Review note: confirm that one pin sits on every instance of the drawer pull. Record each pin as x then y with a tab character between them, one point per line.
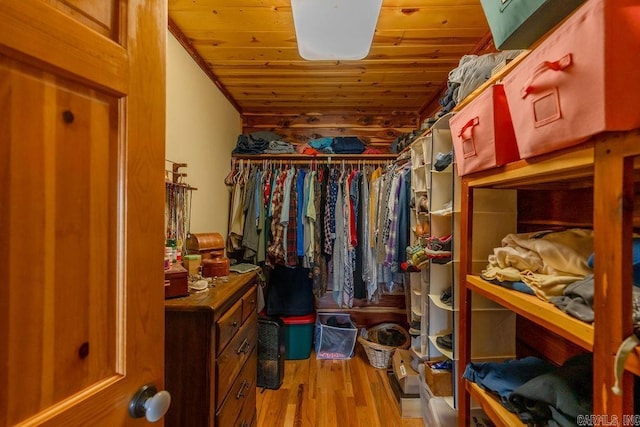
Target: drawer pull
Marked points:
243	347
235	323
243	386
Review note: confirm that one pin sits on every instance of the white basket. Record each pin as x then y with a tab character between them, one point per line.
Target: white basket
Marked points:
334	342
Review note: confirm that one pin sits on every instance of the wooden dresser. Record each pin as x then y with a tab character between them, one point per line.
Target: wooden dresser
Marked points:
210	355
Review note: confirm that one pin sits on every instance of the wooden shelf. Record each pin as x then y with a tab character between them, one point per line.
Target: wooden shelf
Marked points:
492	406
554	223
571	164
536	310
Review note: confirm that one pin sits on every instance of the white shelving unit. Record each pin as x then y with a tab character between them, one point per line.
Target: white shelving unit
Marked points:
495	215
420	163
441	278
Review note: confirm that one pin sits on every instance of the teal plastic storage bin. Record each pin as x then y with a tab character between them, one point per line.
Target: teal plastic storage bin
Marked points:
517	24
298	336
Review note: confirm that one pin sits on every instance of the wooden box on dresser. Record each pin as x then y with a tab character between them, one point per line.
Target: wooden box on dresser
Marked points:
210	355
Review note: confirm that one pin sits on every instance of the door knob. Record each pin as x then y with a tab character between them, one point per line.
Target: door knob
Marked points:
150	403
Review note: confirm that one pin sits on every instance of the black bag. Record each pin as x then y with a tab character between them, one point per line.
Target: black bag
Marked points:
290	292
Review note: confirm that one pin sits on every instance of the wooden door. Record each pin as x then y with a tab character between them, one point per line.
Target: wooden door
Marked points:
82	105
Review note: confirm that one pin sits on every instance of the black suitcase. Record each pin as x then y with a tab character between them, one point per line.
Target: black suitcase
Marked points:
271	352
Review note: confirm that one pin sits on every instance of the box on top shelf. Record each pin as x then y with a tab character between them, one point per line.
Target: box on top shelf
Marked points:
482	132
517	24
580	81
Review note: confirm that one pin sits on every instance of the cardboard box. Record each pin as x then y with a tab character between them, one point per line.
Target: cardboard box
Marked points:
440	381
408	404
407	378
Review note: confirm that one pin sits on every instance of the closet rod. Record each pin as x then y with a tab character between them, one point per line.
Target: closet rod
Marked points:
327	161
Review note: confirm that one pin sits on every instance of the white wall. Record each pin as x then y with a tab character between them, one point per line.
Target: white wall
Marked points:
202	128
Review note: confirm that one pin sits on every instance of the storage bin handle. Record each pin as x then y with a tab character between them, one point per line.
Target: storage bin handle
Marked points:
473	122
558	65
468	146
504	4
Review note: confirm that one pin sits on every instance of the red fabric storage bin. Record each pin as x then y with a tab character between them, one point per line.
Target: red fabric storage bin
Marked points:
482	133
582	80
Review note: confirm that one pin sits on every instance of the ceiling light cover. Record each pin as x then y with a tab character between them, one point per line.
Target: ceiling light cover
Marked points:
335	29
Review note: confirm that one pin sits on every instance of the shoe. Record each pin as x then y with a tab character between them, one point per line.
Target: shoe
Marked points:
439	244
423	204
409	268
414	249
415	328
445	296
443	160
446	210
442	259
445	341
419	258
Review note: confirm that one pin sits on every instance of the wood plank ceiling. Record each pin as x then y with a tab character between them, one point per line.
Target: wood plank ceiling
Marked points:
248	48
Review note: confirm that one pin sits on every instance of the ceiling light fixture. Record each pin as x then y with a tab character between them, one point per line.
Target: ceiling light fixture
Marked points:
335	29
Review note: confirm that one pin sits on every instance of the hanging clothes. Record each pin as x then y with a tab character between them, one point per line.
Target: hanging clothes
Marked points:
344	223
236	219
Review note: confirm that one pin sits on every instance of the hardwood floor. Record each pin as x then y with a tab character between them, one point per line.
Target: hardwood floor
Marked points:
329	393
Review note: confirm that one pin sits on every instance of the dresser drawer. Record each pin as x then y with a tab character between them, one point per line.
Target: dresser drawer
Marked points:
249	302
231	361
242	393
247	417
228	325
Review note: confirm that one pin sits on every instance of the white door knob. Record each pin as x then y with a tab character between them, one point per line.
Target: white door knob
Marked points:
150	403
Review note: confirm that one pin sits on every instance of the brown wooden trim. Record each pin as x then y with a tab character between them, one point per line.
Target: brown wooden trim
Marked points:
464	331
188	46
485	44
348	120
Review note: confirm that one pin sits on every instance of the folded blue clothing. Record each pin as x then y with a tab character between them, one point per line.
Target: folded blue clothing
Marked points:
326	150
347	145
557	397
516	286
502	378
255	142
319	143
247	145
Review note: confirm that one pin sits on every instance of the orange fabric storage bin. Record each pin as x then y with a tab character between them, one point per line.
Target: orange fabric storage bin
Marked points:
581	80
482	133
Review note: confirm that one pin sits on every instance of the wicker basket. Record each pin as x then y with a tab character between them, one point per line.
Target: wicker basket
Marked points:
379	355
